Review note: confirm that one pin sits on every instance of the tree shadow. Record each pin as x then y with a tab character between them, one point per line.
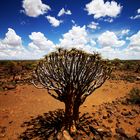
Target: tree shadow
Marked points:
48	125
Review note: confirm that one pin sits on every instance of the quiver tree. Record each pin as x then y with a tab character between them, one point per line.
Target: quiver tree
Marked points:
70	76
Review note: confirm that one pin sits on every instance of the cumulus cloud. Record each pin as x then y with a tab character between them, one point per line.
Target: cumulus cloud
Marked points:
93	25
12	39
135	42
11	46
109	39
136	16
34	8
53	21
138	11
63	11
75	37
99	8
40	42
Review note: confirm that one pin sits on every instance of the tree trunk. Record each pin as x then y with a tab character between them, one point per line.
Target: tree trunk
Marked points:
68	115
71	116
76	112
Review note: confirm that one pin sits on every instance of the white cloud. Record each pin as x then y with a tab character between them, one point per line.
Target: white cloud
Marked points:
93	25
75	37
40	42
125	32
109	39
110	20
73	22
11	46
53	21
34	8
135	42
99	8
136	16
63	11
138	11
12	39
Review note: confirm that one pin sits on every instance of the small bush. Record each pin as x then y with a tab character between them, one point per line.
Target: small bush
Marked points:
134	96
128	78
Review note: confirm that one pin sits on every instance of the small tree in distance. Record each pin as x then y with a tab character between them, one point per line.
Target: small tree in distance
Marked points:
70	76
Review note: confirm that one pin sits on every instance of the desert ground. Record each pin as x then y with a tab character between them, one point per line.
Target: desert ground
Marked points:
24	110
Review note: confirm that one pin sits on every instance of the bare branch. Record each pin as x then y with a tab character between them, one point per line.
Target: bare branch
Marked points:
70	74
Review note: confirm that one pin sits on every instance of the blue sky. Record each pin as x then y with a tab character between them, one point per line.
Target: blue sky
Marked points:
30	29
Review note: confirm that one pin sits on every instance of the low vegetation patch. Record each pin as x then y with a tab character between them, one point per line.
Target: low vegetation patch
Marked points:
134	95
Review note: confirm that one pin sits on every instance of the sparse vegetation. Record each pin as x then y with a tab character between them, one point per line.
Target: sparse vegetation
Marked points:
129	78
134	96
106	119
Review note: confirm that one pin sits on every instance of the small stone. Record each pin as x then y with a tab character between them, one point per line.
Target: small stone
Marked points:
136	111
137	136
10	122
105	133
120	131
126	113
104	117
110	121
130	123
138	129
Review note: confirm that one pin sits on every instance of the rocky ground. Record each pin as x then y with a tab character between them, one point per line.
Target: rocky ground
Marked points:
106	114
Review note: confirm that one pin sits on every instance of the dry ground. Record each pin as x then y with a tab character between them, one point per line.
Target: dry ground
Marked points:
26	102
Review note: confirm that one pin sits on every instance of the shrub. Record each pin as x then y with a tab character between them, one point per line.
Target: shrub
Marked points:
134	95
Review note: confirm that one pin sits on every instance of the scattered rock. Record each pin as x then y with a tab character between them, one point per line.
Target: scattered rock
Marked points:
138	78
110	121
66	136
105	117
2	131
137	136
126	113
105	133
9	86
130	123
122	133
10	122
138	129
136	111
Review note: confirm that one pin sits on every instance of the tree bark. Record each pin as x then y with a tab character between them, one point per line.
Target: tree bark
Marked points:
68	115
71	116
76	112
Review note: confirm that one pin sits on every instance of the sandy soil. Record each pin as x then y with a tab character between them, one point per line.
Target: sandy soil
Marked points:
26	102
